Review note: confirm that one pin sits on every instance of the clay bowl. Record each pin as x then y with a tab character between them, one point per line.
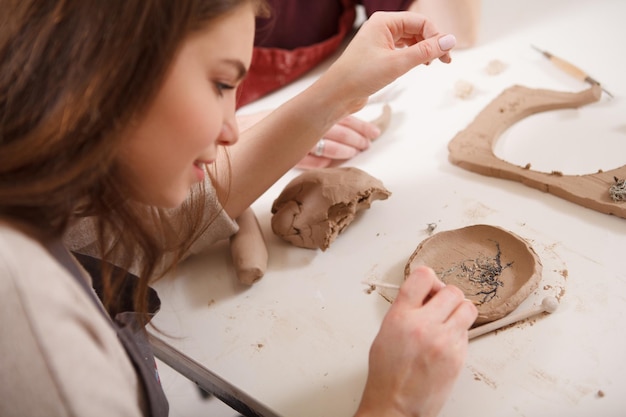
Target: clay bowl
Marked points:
495	268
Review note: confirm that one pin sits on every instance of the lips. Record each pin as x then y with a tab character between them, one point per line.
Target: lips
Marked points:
200	168
201	163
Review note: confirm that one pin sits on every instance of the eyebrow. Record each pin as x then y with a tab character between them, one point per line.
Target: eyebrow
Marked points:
239	66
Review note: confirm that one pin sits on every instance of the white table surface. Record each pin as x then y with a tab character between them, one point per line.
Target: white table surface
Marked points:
298	340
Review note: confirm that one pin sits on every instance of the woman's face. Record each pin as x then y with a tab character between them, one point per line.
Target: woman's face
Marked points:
194	112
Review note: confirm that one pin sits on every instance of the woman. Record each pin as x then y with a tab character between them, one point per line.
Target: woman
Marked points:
112	111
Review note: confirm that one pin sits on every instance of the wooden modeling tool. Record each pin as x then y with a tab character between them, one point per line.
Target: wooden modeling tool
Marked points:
373	285
377	284
548	305
571	69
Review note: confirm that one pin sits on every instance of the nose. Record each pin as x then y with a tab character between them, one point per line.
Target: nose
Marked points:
230	132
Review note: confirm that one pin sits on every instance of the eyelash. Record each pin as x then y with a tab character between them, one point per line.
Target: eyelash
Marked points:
221	87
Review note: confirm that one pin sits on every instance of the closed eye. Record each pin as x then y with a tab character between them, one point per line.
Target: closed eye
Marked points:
221	87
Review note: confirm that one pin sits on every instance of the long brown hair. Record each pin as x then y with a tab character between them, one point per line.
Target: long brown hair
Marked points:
73	75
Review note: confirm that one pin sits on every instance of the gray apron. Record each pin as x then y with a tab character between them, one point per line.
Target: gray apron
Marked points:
129	331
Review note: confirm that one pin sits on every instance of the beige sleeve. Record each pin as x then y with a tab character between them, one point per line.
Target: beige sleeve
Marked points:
81	236
221	226
59	356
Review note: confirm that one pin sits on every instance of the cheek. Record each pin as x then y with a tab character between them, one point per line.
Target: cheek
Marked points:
196	124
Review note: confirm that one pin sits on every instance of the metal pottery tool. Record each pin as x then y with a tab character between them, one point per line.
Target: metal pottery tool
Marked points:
571	69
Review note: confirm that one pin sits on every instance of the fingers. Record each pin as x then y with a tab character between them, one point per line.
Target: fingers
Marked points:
446	43
334	150
445	302
463	316
442	303
312	162
349	137
331	151
419	286
437	47
363	131
321	157
380	42
343	141
424	43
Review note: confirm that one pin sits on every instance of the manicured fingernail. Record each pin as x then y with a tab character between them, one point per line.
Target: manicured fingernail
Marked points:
447	42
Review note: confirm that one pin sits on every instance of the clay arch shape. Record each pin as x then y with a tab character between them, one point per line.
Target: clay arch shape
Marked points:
472	148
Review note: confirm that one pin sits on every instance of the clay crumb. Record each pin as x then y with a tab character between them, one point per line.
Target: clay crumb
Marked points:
382	121
430	228
600	393
479	376
527	166
495	67
557	173
463	89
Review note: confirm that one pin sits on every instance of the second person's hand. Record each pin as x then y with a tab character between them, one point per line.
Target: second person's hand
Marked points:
341	142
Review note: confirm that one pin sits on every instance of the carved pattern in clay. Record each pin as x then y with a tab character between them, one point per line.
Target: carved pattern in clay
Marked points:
472	148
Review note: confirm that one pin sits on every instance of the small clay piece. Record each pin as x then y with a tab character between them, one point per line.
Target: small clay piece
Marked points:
472	148
382	121
315	207
463	89
495	268
248	249
495	67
